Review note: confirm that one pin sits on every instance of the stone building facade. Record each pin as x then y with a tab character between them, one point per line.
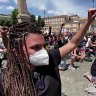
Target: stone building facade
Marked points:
72	23
54	22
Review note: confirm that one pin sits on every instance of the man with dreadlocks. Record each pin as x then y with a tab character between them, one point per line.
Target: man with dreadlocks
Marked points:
31	70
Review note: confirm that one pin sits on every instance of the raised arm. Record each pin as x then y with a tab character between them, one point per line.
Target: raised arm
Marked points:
59	33
3	32
79	35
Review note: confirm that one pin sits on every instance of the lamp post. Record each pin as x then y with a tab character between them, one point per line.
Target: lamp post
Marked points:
44	11
93	3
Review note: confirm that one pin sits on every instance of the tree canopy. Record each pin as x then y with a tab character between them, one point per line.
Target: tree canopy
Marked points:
38	22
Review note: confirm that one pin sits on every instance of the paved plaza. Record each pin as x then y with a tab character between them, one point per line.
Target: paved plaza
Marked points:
73	82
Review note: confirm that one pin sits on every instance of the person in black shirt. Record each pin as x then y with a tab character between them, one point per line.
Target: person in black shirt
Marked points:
62	40
31	70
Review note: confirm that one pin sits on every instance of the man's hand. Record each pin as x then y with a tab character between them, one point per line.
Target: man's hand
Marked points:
3	29
91	15
62	24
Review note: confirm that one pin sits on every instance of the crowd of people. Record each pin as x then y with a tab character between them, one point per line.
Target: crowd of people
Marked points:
83	51
34	59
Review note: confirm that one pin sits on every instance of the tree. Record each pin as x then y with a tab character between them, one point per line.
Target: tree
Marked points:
8	23
5	22
2	22
40	22
32	18
14	16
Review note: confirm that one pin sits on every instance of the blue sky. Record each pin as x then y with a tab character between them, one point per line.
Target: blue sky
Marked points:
51	7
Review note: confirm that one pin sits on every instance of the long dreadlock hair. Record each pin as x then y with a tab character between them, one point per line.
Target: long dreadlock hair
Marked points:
17	79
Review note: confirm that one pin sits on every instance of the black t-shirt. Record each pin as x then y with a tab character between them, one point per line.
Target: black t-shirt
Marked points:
49	75
60	43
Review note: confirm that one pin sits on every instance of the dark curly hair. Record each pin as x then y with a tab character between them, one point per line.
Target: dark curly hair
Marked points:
17	79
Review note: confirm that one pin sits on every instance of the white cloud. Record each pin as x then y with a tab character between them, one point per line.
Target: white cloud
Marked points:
6	7
4	1
57	6
54	12
41	4
1	7
9	7
50	11
64	7
15	1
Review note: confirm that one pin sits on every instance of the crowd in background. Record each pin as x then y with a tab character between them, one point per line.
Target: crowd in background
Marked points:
83	51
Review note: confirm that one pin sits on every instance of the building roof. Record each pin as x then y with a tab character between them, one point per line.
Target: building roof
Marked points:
60	16
74	15
72	22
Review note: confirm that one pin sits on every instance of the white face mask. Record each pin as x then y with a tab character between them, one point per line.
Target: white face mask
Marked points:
39	58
